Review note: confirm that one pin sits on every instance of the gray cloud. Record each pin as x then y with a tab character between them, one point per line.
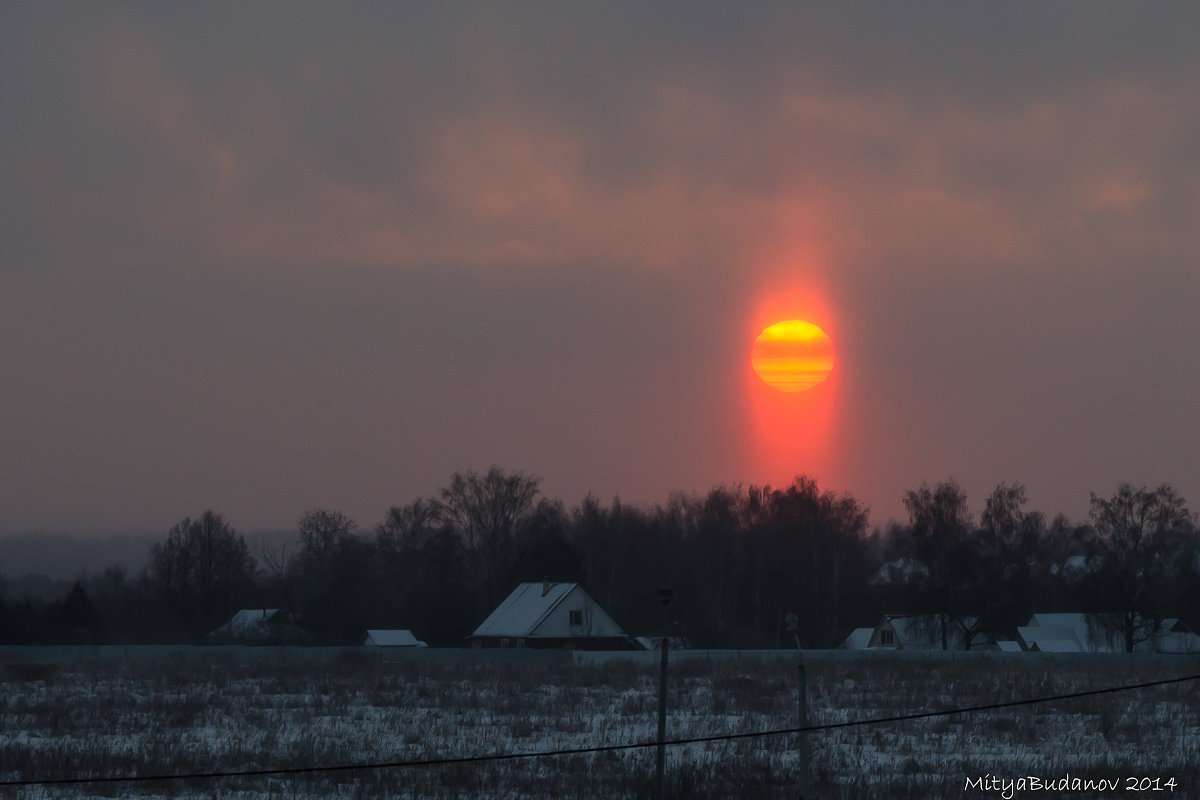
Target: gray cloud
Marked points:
271	258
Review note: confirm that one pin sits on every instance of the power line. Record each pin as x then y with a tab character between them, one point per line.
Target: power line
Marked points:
451	760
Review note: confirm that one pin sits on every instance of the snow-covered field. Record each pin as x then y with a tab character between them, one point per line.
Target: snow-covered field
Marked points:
210	712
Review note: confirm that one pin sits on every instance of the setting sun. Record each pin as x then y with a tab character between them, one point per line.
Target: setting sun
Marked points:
792	356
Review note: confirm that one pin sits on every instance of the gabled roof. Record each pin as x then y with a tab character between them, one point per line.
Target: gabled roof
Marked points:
392	638
1177	642
1073	621
1057	633
924	632
531	604
1068	633
524	609
1087	633
858	639
249	623
1049	639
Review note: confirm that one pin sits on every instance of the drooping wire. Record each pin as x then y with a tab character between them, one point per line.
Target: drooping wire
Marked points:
571	751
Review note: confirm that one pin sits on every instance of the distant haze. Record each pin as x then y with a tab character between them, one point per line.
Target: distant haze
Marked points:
262	259
66	556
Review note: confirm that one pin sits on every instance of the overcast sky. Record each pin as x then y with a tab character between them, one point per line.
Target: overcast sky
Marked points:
267	258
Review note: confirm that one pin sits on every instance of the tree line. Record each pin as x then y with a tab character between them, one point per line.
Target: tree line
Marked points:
748	564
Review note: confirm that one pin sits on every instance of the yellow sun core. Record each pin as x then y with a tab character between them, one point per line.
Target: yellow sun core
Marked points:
792	356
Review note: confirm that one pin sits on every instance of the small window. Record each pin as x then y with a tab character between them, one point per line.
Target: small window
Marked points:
504	644
577	617
887	637
520	642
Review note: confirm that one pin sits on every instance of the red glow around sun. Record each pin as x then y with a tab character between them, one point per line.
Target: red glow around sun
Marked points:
792	385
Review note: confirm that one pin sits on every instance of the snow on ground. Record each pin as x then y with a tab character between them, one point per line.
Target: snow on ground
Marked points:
211	712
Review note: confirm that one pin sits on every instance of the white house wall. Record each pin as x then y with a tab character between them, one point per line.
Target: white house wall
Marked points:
558	621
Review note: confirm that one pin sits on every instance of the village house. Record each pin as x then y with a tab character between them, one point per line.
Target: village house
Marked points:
1092	633
550	614
858	639
378	637
1064	633
258	626
919	632
1044	633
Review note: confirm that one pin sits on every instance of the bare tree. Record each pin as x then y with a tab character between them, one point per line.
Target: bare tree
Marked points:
322	533
408	527
940	528
1007	548
334	570
202	568
488	512
277	564
1143	541
418	575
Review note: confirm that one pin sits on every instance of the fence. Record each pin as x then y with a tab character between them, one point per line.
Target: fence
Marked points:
62	654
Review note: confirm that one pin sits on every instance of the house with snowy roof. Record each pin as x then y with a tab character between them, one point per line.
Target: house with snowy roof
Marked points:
1173	636
551	615
1093	633
918	632
378	637
1064	633
858	639
258	626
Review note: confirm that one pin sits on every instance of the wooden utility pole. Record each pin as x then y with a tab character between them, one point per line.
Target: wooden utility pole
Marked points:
804	755
792	623
664	594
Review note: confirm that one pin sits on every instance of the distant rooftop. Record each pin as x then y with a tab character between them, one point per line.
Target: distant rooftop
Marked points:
524	609
392	638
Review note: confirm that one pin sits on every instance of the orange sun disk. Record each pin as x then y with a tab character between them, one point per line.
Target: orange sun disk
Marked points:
792	356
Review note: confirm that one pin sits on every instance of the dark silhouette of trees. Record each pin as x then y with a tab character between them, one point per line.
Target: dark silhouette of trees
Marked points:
74	620
488	513
279	570
742	561
322	533
1060	563
1144	540
803	551
543	549
419	575
128	608
616	567
940	538
716	526
1006	557
202	572
333	568
19	622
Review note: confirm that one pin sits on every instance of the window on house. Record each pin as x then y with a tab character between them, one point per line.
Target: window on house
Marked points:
577	617
504	643
887	637
520	642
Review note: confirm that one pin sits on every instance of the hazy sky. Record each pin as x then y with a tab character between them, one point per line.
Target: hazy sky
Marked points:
267	258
